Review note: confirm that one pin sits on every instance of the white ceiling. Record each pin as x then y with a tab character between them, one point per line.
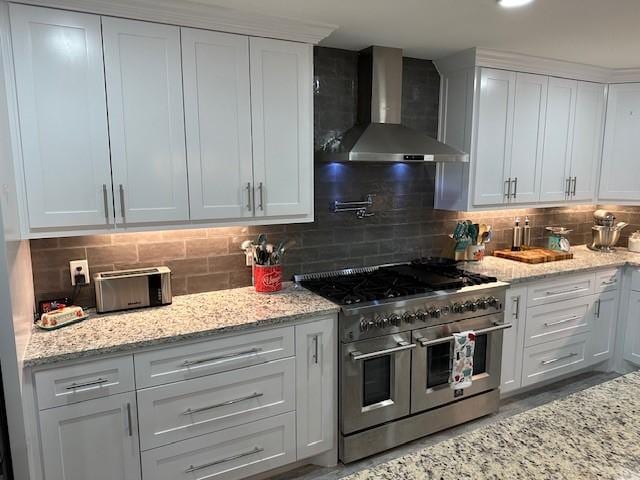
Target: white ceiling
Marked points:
597	32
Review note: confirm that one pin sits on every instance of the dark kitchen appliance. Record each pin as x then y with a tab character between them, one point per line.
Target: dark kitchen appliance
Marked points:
395	325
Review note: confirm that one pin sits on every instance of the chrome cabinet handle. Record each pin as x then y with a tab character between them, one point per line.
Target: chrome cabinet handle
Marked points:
93	383
253	352
122	207
515	187
554	360
228	459
260	190
516	311
315	349
249	206
573	190
496	327
356	355
560	322
598	302
560	292
105	198
567	191
129	424
191	411
610	282
508	188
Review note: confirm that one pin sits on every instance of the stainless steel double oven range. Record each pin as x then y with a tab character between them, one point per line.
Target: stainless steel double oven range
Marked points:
396	325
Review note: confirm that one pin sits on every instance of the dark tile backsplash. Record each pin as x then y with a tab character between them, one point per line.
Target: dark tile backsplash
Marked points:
405	225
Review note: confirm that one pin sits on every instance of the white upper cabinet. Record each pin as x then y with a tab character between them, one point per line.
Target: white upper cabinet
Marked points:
587	140
63	117
282	127
494	133
146	121
561	99
218	124
528	136
618	177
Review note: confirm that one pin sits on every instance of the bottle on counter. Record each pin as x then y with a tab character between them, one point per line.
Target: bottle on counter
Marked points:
526	233
516	243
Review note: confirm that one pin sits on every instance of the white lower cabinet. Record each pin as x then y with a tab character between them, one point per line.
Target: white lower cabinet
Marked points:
316	353
261	400
513	339
96	439
632	337
232	454
560	326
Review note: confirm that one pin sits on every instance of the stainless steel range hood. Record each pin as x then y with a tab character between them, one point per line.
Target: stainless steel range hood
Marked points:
379	136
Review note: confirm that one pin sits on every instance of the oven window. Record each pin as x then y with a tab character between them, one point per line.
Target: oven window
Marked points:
439	361
376	380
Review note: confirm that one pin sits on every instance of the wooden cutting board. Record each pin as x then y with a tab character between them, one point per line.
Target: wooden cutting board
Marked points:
534	255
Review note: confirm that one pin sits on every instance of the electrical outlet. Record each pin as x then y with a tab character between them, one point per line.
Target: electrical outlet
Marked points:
79	267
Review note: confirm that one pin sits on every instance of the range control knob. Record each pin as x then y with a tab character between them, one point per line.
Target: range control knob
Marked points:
493	302
471	306
393	320
435	313
457	308
421	315
409	317
364	325
483	304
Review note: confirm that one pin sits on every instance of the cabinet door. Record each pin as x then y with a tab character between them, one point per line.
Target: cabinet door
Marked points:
282	126
513	339
621	144
558	133
528	136
588	132
604	325
218	124
96	439
146	120
315	385
493	136
63	117
632	337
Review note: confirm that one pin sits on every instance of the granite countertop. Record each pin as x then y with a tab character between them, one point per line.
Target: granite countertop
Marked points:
592	434
583	260
189	317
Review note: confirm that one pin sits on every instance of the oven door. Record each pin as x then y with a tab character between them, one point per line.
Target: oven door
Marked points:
374	381
431	361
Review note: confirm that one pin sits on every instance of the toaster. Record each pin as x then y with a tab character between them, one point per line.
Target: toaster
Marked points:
128	289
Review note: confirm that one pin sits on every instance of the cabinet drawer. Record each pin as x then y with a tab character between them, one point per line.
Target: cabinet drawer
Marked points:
607	280
231	454
76	383
549	360
214	356
559	289
182	410
558	320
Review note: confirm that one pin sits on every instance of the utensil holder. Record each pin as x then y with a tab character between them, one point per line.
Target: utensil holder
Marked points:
267	278
475	253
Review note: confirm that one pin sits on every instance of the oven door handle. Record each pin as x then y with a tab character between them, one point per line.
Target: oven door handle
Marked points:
356	355
496	327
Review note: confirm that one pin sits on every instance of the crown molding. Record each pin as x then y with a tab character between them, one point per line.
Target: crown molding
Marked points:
625	75
188	13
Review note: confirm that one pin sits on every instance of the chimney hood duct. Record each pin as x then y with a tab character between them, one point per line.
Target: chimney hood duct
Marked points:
378	135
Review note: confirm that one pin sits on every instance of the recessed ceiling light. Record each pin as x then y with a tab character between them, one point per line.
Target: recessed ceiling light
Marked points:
513	3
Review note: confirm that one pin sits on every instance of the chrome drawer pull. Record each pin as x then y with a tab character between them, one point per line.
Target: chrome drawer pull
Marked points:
123	210
129	424
252	352
94	383
609	282
515	187
190	411
429	343
559	322
573	190
363	356
560	292
228	459
105	198
554	360
508	188
249	206
260	189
